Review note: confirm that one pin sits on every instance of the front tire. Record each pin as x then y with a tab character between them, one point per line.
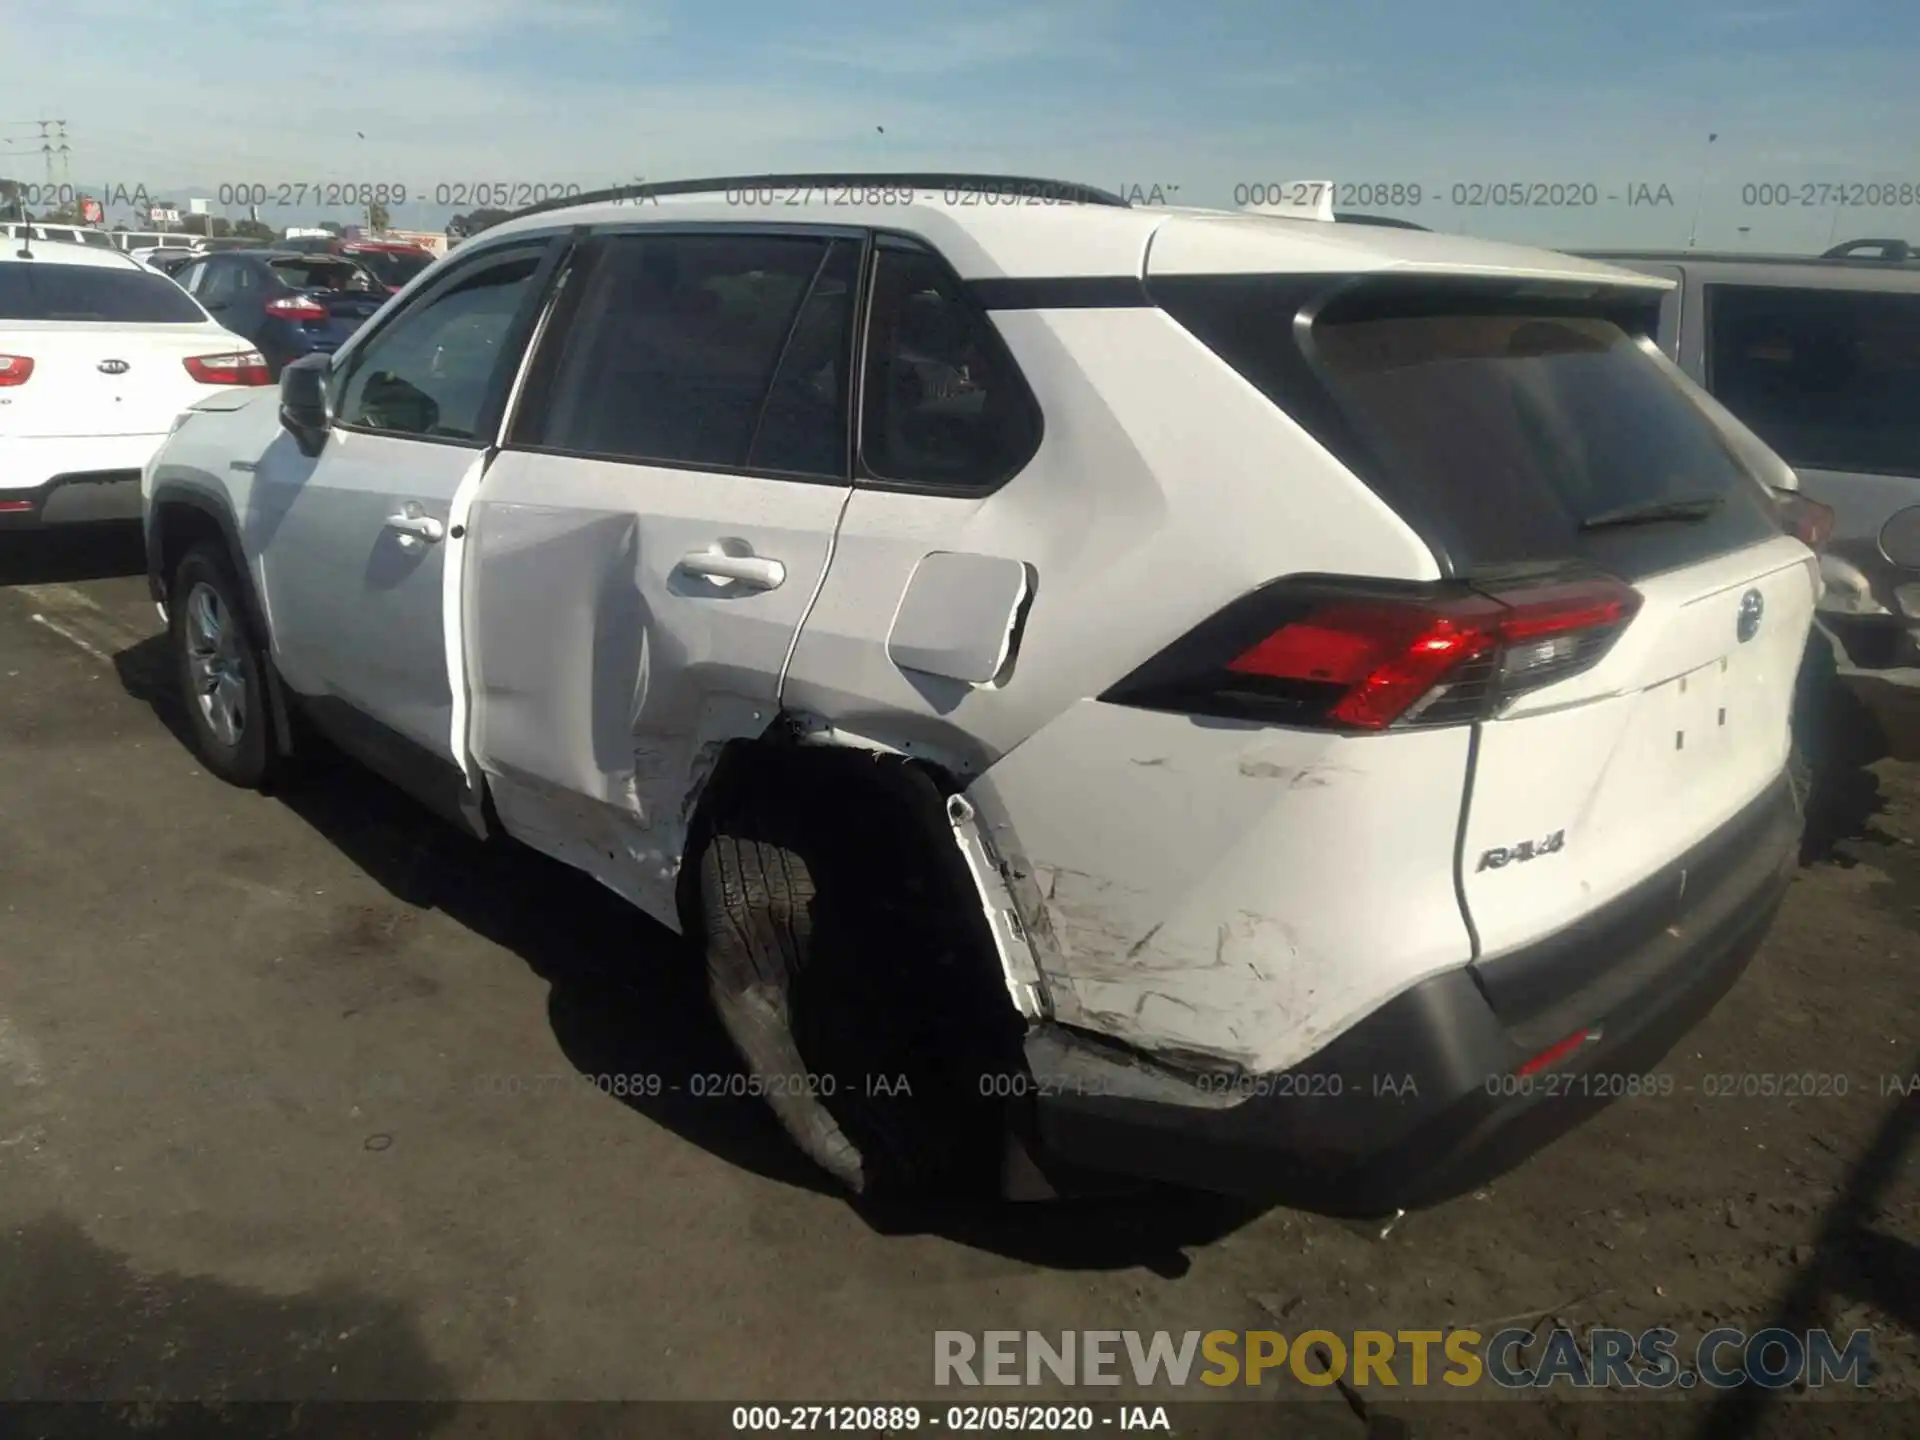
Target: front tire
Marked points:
221	673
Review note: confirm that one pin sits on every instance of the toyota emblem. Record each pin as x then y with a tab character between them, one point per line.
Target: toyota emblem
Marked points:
114	367
1751	609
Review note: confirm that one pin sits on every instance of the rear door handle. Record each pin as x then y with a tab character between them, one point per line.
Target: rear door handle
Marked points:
417	527
749	570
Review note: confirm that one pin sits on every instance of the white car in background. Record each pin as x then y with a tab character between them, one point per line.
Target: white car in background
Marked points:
70	234
1289	707
98	355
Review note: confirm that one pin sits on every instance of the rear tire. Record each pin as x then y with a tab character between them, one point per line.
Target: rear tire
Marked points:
221	673
860	1033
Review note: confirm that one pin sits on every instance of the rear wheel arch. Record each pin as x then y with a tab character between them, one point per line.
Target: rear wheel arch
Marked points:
796	840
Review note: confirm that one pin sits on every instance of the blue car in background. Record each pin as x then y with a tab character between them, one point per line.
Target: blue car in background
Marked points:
285	303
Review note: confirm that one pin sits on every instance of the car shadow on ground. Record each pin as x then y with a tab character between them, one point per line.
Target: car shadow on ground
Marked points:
59	556
626	998
90	1345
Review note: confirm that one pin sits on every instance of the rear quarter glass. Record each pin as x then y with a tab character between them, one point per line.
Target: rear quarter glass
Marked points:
1494	418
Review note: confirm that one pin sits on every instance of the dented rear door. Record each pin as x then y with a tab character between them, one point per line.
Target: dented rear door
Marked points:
646	544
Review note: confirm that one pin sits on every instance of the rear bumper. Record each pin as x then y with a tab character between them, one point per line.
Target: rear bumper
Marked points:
1420	1101
73	479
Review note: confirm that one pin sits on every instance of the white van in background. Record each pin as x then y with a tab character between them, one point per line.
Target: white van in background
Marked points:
155	240
68	234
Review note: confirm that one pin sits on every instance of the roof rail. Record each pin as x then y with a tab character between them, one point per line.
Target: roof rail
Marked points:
1392	222
1895	250
1067	191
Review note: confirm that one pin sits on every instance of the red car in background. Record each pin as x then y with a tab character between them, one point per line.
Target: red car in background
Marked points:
392	262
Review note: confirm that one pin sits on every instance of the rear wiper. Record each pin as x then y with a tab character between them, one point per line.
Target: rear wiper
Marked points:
1649	512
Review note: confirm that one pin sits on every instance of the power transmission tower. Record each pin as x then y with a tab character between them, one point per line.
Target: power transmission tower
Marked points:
55	155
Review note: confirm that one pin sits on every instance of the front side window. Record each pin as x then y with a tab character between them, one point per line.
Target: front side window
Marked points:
431	372
942	404
1829	378
722	350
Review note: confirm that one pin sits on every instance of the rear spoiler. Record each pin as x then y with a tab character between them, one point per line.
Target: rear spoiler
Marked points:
1298	200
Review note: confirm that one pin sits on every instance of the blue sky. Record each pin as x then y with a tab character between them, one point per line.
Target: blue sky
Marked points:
1202	97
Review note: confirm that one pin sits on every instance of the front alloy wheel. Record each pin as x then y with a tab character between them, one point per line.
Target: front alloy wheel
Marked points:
220	671
216	665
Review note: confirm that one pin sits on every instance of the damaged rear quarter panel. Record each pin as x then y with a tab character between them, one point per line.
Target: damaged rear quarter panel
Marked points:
1228	893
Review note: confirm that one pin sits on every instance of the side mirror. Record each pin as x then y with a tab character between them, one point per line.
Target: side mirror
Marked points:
303	401
1900	539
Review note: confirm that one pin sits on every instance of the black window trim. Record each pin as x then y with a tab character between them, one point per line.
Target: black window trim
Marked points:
1708	289
540	370
864	476
551	246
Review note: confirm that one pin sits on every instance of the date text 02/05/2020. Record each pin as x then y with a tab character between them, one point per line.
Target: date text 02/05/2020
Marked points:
517	194
290	194
957	1419
1461	194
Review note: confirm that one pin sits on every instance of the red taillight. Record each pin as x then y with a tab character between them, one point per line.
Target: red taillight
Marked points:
1339	657
1554	1054
297	307
14	369
1808	521
241	367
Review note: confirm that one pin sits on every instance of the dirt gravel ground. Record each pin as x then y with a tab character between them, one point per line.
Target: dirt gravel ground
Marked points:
295	1104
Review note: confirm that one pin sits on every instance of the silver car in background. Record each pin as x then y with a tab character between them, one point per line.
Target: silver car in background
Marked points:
1821	357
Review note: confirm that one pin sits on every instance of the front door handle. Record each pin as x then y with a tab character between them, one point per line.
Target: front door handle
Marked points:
749	570
417	527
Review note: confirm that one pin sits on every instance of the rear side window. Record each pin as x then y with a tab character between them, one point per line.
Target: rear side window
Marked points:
943	405
1508	427
431	372
665	349
1829	378
35	290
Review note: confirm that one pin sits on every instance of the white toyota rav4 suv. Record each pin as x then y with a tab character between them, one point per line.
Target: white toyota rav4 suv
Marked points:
1294	708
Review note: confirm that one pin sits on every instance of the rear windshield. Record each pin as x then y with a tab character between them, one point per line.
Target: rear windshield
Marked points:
1510	428
34	290
321	274
394	267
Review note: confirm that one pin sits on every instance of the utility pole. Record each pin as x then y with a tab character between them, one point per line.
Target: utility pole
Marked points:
55	155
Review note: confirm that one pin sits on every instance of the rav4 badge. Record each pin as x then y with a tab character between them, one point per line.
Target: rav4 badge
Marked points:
1526	850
